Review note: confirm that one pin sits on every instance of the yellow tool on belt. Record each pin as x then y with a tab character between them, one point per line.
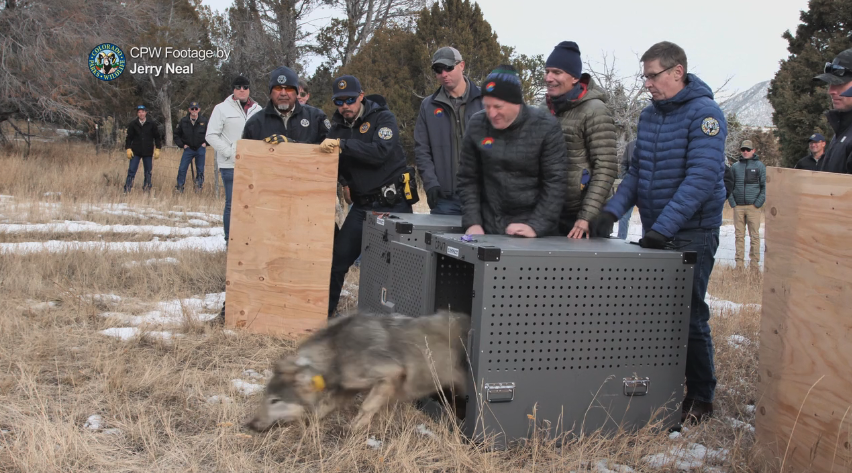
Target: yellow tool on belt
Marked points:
406	183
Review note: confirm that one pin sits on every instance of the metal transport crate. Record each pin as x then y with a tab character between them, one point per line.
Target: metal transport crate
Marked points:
567	335
396	262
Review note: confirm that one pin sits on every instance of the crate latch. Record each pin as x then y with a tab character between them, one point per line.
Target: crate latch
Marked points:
636	386
499	392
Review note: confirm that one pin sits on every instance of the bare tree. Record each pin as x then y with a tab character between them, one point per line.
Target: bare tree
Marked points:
626	96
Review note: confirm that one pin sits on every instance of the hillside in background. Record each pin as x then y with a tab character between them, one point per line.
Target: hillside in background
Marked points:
751	107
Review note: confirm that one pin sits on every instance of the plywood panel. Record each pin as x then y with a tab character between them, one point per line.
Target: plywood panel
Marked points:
806	324
281	237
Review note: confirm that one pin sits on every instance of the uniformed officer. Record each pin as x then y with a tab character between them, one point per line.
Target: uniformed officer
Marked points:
372	162
284	119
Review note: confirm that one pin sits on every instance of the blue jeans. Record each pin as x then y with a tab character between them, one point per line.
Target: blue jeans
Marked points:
228	181
700	370
185	160
147	165
451	206
347	245
624	224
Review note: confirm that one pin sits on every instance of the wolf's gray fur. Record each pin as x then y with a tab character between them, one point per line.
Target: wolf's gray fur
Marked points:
392	357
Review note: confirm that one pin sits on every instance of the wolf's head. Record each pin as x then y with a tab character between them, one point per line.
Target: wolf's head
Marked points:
294	390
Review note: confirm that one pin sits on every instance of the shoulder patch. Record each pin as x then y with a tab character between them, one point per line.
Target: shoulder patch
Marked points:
327	124
364	127
385	133
305	123
710	126
487	143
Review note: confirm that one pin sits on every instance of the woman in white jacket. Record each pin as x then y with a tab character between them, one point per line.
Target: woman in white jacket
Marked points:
224	128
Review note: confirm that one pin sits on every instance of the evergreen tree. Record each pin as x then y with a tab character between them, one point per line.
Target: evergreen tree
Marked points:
800	102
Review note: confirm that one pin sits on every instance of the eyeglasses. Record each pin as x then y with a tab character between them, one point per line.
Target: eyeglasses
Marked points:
279	88
653	76
241	87
440	68
194	108
348	101
303	94
836	70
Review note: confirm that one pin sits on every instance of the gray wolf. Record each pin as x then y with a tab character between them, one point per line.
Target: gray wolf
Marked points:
389	357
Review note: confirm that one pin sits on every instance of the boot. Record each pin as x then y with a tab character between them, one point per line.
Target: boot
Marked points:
695	412
179	189
128	185
146	186
199	183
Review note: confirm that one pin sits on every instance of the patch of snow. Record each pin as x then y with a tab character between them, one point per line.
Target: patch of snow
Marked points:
206	243
687	457
206	216
229	332
606	466
52	194
738	341
129	333
39	306
111	431
372	442
738	424
723	307
749	409
175	312
198	222
422	430
252	374
675	435
70	226
218	399
151	261
246	388
94	422
104	298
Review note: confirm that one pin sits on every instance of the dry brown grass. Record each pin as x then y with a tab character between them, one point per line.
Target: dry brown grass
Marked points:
57	371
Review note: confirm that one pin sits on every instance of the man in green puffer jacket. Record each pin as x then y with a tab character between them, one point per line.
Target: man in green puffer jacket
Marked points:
589	131
748	197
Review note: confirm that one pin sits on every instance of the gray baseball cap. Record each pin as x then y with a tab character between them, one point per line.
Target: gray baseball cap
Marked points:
838	71
448	56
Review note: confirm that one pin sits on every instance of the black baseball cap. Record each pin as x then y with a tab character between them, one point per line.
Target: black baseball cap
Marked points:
818	136
838	71
345	86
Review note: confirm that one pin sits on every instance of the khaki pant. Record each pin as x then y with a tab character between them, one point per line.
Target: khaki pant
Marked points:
747	215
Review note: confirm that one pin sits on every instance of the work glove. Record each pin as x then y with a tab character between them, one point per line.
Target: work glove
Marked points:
433	195
156	153
601	226
275	139
129	153
328	145
653	240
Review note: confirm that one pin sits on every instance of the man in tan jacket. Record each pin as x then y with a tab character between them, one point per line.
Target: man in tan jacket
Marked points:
579	105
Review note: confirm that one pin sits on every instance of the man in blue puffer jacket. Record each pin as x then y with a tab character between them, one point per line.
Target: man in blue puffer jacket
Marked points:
676	180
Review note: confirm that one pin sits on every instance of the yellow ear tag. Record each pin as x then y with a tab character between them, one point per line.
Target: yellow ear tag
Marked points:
319	382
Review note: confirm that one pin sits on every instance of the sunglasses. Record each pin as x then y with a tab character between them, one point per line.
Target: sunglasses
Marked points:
836	70
440	68
279	88
303	94
241	87
745	149
194	108
348	101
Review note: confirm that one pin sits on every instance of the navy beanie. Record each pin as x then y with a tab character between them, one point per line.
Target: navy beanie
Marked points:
504	84
566	56
283	76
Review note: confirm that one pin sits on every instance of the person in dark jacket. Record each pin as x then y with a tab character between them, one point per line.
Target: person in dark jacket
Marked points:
623	167
372	163
747	199
189	135
676	180
816	148
285	119
143	143
440	129
838	75
589	132
513	169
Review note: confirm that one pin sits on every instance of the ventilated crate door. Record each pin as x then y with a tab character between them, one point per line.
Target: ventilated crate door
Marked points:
453	284
568	331
375	269
410	280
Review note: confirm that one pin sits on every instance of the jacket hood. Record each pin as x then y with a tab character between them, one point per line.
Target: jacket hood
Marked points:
591	91
370	107
695	88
